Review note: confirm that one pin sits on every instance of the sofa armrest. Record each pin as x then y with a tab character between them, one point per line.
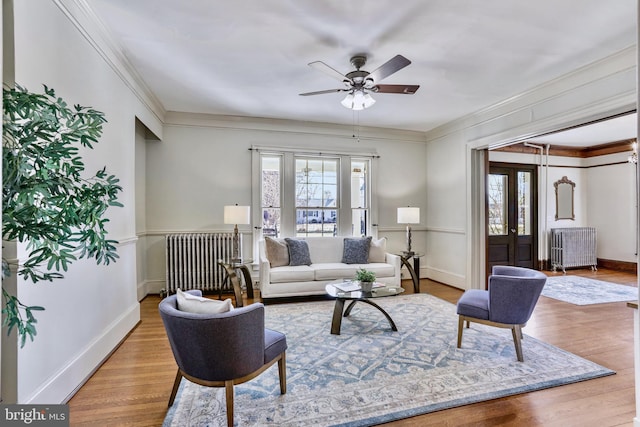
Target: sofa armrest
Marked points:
397	266
264	265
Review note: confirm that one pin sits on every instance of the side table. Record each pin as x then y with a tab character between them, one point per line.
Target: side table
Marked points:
414	270
231	269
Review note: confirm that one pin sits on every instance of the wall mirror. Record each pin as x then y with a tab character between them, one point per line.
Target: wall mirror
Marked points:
564	198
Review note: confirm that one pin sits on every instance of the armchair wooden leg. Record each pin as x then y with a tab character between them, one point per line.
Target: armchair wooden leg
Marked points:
282	373
460	328
516	331
228	386
176	384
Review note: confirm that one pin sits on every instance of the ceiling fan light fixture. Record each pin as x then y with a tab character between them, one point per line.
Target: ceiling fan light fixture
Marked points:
359	84
358	100
368	101
347	102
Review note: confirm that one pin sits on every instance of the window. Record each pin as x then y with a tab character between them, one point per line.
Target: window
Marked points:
359	197
314	195
270	198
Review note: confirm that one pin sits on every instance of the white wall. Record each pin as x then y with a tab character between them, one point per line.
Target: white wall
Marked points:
612	210
455	201
204	163
93	307
141	208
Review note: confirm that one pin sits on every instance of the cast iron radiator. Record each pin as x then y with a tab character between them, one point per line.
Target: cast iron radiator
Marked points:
573	247
192	260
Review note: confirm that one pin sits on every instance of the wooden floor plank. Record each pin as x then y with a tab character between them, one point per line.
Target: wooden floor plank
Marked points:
132	387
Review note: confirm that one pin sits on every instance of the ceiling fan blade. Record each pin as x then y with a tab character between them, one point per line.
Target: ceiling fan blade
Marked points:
321	66
403	89
396	63
321	92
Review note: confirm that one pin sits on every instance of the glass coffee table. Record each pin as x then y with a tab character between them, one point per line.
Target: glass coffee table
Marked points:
345	290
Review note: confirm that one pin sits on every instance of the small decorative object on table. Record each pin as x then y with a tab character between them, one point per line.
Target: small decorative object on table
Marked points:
366	279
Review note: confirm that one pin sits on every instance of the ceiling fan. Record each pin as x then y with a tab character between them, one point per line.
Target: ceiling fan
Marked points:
360	84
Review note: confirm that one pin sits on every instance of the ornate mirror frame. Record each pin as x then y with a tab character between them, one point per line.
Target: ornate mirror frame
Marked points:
564	198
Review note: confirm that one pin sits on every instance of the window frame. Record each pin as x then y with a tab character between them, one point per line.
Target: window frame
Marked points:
344	210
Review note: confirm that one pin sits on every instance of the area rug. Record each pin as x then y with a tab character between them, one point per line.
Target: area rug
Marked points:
370	375
584	291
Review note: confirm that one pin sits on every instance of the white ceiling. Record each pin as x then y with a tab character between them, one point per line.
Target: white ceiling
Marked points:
249	57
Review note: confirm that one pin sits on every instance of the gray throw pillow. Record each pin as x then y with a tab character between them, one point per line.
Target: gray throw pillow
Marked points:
298	252
356	250
277	251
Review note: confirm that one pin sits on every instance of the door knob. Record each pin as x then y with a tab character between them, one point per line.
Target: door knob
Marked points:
513	230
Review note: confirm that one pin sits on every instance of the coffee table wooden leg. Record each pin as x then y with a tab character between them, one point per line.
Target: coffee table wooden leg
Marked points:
391	322
349	307
337	317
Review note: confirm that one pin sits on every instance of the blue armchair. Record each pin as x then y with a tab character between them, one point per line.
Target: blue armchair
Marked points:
224	349
512	296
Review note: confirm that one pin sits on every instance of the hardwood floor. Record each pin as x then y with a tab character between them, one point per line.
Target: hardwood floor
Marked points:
132	387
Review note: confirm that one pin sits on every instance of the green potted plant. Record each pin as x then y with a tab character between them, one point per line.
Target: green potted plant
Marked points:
366	279
49	201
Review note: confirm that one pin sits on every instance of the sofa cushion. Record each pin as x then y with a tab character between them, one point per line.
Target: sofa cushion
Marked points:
277	251
380	269
299	273
377	250
334	271
356	250
298	252
325	249
200	305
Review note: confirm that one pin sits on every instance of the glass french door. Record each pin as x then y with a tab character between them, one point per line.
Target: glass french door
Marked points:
511	215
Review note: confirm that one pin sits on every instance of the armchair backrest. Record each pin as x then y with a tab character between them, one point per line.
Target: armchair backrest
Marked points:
215	347
513	293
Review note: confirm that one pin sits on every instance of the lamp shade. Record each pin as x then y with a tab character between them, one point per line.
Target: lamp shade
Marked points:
237	214
408	215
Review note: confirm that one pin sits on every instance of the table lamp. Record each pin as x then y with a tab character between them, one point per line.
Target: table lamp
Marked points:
408	216
237	215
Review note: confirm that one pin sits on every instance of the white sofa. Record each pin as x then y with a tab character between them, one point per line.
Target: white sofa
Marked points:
326	266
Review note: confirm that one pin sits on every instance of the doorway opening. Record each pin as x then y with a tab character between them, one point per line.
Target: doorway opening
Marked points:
512	215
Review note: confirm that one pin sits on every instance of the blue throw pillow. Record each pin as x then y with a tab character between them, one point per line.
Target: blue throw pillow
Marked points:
298	252
356	250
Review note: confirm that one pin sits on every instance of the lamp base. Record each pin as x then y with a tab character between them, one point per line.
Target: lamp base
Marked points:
408	251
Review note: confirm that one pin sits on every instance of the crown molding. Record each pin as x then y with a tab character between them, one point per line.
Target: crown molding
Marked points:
535	111
623	146
262	124
91	27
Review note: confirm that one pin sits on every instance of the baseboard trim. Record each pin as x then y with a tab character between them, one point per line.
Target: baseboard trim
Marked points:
446	277
65	383
618	265
610	264
155	286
